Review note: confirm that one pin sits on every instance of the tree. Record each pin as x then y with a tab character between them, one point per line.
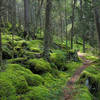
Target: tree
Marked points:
97	19
48	30
26	17
72	19
0	40
13	23
66	21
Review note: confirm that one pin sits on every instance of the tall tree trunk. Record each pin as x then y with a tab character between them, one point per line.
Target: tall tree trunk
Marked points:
48	30
97	20
9	11
72	19
0	50
81	20
66	21
14	14
26	18
13	23
0	41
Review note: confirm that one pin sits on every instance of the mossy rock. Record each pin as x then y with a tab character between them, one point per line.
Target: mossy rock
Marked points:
31	79
72	55
29	54
7	90
6	52
35	45
17	81
19	60
38	93
59	58
20	84
39	65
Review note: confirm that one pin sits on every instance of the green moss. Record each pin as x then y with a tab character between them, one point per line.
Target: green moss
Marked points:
92	58
55	85
34	79
29	54
38	93
7	91
17	60
72	66
40	65
17	81
35	45
58	57
83	94
31	79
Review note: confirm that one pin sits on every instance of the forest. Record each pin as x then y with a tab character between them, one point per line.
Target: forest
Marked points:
49	49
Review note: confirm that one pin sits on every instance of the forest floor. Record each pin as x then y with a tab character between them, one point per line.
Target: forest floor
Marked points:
70	87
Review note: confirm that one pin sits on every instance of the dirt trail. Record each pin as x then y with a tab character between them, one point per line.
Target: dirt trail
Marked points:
68	93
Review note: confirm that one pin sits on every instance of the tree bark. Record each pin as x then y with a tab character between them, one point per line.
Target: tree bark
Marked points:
48	30
72	19
97	20
0	41
26	18
66	21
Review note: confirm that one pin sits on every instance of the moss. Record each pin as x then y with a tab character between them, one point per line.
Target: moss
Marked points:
72	66
83	94
7	91
92	74
29	54
34	79
72	55
35	45
31	79
55	85
58	57
38	93
92	58
17	60
17	81
40	65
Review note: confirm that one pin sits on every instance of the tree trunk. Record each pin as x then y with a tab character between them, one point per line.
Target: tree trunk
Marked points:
13	24
0	50
66	21
48	30
72	19
97	20
26	18
0	42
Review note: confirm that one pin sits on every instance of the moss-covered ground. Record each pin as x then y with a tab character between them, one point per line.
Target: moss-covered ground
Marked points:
28	76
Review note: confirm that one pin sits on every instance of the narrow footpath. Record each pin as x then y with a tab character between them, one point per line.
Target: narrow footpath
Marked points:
68	92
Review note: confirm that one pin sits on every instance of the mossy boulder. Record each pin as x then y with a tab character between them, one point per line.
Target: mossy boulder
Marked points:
17	81
31	79
39	65
20	79
38	93
59	58
72	55
34	79
7	90
35	45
